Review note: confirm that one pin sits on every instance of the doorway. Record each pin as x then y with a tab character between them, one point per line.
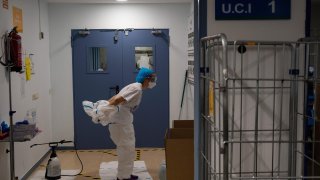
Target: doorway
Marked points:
106	60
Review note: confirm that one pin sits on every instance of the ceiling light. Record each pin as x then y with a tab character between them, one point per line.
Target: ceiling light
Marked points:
121	0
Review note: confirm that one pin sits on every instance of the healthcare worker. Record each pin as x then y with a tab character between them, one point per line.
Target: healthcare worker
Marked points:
121	118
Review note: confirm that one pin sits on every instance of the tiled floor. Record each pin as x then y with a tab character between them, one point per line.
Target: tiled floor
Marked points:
91	160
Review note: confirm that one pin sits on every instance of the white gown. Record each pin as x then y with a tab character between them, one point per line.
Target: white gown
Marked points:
122	131
120	120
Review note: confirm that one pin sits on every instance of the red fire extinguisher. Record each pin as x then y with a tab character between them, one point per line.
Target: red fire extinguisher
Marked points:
13	50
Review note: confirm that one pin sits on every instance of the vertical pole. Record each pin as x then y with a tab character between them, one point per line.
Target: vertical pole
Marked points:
316	50
316	157
201	132
225	107
205	110
197	119
274	104
240	128
293	113
11	112
315	115
281	107
12	166
183	91
306	115
233	107
220	114
215	119
256	128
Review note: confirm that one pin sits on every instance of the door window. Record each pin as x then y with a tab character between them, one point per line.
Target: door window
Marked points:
97	59
144	57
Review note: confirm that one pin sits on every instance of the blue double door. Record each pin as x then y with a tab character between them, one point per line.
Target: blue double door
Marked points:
106	60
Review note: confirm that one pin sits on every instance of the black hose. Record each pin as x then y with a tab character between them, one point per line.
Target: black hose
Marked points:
62	142
75	148
79	160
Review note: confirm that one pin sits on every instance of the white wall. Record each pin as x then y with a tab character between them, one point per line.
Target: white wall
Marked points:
188	101
287	30
22	91
64	17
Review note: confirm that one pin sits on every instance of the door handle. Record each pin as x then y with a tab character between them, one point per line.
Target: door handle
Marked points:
116	88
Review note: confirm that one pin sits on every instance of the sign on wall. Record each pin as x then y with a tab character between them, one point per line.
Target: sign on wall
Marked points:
252	9
17	18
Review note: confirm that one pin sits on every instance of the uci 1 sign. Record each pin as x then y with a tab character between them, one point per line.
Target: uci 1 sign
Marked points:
252	9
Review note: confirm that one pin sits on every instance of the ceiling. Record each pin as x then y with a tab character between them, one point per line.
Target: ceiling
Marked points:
133	1
114	1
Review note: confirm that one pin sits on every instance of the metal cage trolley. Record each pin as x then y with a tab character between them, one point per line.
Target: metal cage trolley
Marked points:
259	107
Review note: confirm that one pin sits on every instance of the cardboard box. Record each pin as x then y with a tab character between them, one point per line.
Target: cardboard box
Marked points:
183	123
179	151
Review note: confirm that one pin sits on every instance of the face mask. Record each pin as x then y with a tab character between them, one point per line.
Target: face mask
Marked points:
151	85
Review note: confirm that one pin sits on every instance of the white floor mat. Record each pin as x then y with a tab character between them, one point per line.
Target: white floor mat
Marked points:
108	170
39	175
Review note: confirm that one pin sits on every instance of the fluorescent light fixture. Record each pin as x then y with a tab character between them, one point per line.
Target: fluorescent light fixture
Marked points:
121	0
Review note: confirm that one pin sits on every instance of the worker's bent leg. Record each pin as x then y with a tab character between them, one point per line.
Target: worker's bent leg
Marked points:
126	155
123	136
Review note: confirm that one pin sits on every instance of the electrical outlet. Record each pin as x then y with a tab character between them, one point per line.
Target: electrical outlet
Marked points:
35	96
41	35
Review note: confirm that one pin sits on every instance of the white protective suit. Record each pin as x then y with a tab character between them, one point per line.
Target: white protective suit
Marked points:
120	120
100	111
122	131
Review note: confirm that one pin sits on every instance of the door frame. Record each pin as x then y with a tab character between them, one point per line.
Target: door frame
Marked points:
75	35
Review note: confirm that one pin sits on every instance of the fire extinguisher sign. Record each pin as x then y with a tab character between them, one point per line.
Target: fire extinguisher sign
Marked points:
17	18
252	9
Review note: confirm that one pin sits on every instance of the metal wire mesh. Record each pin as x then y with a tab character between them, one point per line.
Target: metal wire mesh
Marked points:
259	109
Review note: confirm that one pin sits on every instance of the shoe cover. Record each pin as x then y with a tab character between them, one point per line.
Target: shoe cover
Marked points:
134	177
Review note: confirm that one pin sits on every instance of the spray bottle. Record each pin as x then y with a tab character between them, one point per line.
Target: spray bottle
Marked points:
53	169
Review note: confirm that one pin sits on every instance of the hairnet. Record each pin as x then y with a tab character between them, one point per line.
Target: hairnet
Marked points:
143	74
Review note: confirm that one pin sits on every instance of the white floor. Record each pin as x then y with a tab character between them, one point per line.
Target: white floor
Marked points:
108	170
148	164
40	175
